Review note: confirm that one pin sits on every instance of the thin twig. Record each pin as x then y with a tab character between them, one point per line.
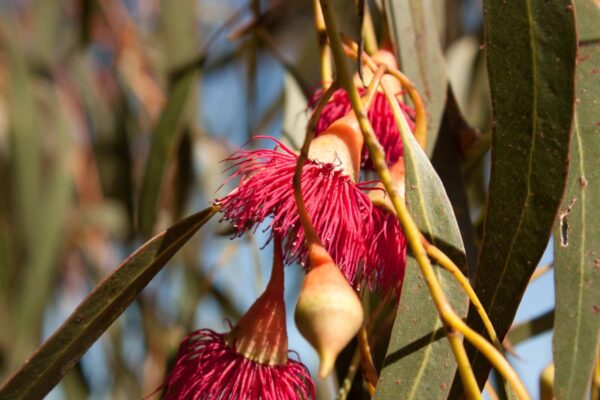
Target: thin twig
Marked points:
324	51
445	262
352	369
365	355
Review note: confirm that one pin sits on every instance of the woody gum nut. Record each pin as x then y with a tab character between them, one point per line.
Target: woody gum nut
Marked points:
328	313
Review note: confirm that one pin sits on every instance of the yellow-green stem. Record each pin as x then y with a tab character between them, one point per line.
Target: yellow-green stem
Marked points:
447	314
445	262
464	366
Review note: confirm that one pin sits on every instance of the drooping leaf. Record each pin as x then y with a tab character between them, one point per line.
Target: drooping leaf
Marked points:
38	375
419	363
162	149
577	241
531	49
413	28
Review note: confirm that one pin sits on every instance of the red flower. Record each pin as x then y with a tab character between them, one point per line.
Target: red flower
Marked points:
250	362
207	368
341	212
381	118
387	259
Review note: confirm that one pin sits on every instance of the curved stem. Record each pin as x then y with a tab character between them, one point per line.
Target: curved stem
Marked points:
464	366
447	314
309	229
324	52
367	359
352	369
445	262
421	116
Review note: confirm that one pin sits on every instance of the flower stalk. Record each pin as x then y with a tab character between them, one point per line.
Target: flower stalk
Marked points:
450	319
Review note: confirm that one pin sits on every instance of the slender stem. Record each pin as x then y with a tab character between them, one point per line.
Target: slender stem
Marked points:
595	391
309	229
367	359
352	369
540	271
447	314
464	366
445	262
421	116
324	52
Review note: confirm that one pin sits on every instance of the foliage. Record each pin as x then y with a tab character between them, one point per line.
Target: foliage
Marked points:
115	119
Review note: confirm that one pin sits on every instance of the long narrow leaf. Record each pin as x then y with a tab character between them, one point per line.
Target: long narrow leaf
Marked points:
413	28
419	363
531	48
577	242
98	311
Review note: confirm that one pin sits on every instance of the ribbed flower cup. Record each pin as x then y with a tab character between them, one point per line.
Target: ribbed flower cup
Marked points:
250	362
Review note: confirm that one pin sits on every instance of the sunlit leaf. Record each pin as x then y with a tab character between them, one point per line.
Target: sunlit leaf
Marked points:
98	311
577	241
413	28
419	363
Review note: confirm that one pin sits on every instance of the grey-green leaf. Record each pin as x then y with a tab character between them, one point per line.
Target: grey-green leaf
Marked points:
55	357
413	29
162	149
577	242
531	48
588	20
419	363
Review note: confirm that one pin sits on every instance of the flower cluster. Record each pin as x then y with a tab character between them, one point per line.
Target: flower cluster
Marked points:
352	238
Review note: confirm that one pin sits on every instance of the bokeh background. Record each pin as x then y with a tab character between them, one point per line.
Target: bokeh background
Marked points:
86	86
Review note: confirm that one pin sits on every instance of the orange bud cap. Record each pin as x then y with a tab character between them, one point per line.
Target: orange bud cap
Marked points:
340	144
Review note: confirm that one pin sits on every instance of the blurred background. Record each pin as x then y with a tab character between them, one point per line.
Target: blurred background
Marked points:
114	119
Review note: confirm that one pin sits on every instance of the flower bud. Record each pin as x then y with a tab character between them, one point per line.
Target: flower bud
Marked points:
341	144
329	312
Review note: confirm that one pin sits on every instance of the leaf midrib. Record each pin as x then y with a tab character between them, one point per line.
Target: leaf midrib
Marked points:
575	353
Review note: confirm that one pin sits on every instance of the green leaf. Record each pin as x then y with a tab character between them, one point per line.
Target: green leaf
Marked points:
419	363
38	375
162	149
531	48
588	20
577	241
39	268
413	28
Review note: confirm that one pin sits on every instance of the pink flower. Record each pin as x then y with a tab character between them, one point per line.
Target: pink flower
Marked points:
387	259
249	362
381	118
363	241
207	368
341	212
